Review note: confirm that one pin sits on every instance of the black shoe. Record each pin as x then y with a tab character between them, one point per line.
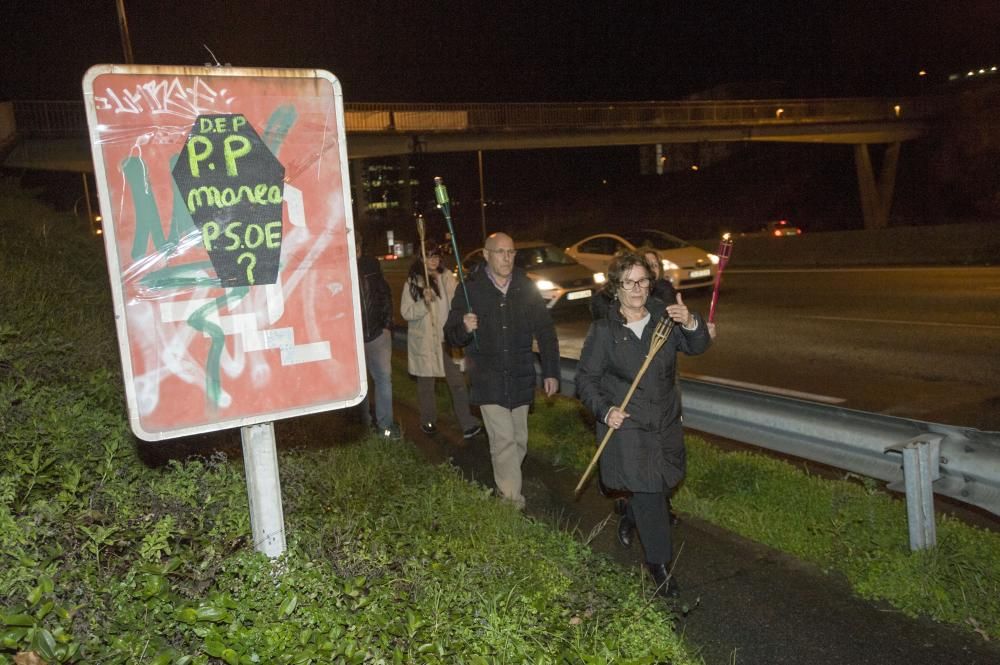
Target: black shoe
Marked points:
428	428
666	584
475	430
625	527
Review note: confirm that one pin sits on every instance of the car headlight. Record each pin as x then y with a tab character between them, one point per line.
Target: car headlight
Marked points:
545	285
714	258
600	278
669	265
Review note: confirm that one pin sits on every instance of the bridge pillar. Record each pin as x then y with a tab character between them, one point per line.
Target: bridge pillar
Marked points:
876	196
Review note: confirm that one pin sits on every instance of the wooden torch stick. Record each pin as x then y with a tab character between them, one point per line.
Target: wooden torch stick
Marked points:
660	336
423	255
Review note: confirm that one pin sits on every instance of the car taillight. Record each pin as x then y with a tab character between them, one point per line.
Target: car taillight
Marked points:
777	233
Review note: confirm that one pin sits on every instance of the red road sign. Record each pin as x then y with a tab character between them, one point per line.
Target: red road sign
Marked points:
229	241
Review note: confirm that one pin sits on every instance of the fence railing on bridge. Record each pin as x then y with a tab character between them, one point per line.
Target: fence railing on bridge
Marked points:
630	115
60	119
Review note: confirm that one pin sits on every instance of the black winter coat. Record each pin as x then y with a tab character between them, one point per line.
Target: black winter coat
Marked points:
375	296
501	366
646	454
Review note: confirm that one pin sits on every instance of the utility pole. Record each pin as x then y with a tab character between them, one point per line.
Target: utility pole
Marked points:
482	196
123	29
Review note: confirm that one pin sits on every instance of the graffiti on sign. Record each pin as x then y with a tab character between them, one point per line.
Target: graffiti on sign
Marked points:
228	247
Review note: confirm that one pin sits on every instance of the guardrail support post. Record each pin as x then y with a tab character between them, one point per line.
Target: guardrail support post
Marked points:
921	456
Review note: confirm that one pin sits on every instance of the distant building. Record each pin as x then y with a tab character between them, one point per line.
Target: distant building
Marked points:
383	199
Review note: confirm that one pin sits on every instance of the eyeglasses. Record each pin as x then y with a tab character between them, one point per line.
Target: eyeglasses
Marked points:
509	253
629	284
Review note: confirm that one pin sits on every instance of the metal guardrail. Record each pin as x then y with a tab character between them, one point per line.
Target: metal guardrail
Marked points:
67	118
847	439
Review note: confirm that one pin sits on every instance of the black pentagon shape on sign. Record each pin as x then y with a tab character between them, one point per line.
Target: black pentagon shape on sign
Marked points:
233	186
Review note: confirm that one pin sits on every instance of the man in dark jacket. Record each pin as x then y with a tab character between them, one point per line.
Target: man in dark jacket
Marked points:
508	312
376	324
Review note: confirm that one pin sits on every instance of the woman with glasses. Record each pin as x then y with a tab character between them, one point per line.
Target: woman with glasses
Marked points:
661	288
645	455
425	308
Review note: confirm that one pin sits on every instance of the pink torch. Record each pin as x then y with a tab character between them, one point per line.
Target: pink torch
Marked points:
725	251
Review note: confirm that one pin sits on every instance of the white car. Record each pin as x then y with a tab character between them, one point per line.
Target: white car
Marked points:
686	266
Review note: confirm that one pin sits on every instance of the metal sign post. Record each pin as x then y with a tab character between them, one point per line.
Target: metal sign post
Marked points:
260	458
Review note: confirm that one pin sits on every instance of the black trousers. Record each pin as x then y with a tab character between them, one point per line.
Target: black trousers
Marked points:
648	511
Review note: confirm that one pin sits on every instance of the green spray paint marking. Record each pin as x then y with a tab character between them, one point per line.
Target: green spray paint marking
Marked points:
180	277
147	215
278	126
199	321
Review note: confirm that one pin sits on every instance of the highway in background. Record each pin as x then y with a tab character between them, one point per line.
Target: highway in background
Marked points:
919	343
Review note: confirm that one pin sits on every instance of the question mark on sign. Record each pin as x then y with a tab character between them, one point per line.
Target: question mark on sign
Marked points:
250	264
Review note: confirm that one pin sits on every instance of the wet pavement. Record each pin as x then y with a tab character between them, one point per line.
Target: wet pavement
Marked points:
751	605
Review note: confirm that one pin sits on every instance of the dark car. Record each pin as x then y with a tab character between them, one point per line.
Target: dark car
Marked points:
775	229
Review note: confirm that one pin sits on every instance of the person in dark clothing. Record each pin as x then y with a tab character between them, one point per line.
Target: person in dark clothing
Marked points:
646	454
376	324
662	288
508	313
600	305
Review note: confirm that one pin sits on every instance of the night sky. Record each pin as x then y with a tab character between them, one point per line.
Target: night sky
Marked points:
394	51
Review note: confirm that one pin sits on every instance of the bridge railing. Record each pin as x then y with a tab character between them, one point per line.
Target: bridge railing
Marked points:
57	119
626	115
50	119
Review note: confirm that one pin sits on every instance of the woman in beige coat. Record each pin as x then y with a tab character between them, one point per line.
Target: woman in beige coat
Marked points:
425	308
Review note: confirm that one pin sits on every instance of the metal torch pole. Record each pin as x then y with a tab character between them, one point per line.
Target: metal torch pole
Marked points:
441	196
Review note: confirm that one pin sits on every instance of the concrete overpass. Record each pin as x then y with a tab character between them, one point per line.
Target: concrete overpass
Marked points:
52	135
